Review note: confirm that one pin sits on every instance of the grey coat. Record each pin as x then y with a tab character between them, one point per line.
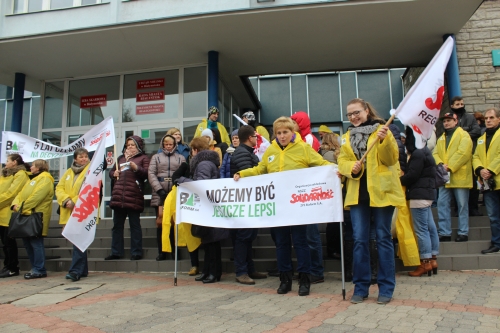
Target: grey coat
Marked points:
161	168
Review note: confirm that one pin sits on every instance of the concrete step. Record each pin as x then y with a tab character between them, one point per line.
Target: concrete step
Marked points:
458	262
470	247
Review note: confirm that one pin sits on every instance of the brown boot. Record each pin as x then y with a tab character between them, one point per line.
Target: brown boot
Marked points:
244	279
425	267
434	265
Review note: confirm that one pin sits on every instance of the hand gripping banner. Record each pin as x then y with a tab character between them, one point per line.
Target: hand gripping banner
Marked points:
80	229
31	149
304	196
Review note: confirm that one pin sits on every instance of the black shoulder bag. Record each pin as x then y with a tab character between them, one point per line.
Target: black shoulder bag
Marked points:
22	226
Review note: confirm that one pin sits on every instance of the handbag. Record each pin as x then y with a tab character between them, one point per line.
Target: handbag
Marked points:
199	231
22	226
442	176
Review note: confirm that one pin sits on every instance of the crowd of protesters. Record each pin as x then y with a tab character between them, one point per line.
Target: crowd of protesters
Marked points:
394	173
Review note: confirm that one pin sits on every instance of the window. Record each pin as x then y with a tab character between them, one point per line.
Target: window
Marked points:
195	92
151	96
92	100
53	110
30	6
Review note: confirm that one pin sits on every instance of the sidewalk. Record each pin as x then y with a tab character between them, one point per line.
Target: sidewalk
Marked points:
458	301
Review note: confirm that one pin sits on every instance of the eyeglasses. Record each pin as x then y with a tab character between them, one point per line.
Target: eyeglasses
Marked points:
353	114
253	136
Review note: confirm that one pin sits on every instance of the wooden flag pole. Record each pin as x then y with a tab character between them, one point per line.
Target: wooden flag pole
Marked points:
375	141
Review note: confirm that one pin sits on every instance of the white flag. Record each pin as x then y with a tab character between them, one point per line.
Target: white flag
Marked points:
421	106
262	143
80	229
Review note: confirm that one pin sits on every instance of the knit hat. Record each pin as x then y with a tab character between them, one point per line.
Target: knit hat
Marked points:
249	115
324	128
403	135
234	133
213	110
207	132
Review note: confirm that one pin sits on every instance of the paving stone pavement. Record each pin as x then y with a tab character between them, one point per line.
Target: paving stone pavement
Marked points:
452	301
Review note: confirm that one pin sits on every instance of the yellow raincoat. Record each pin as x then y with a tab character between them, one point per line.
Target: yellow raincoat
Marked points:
297	155
489	160
10	185
68	189
458	157
223	133
185	237
37	194
382	172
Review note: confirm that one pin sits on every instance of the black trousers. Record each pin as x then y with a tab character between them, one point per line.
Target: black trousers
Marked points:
10	250
332	238
213	259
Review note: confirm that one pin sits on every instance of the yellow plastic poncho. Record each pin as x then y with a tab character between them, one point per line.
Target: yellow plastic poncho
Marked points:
10	185
458	157
223	133
185	237
69	188
37	194
489	160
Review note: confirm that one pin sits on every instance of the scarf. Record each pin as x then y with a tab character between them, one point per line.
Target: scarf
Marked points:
211	124
359	137
77	168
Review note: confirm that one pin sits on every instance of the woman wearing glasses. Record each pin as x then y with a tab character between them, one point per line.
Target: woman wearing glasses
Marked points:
373	190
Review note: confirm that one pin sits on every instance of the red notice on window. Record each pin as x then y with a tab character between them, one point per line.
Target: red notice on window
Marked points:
93	101
151	83
150	108
150	96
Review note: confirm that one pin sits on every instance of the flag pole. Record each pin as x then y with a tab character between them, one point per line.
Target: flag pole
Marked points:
342	259
116	160
375	141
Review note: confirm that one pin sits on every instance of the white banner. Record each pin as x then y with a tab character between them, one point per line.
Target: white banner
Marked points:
80	229
421	106
31	149
304	196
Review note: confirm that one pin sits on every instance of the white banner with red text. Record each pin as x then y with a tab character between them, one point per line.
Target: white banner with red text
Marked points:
304	196
80	229
32	149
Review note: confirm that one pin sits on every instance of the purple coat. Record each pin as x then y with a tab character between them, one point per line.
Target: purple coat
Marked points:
128	191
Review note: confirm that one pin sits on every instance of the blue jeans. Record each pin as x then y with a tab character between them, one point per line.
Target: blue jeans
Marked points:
492	203
316	249
444	210
79	263
243	262
284	248
117	243
386	278
36	254
425	229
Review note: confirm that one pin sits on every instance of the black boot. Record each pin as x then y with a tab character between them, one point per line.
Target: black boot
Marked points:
373	261
285	282
304	284
348	249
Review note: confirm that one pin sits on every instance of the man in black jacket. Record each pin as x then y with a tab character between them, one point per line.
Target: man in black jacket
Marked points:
244	158
469	124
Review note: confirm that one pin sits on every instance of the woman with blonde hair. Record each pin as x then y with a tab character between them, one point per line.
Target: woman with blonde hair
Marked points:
36	195
12	180
290	153
373	190
182	147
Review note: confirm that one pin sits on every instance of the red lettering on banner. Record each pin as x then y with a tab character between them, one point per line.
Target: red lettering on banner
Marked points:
88	201
316	194
431	105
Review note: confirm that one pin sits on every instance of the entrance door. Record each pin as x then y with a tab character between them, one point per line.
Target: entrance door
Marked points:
152	137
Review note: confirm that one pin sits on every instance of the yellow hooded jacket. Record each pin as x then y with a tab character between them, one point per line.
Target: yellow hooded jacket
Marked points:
489	160
37	194
296	155
458	157
68	189
382	171
223	133
10	185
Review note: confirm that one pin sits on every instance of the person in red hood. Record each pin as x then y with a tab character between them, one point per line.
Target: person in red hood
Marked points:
302	119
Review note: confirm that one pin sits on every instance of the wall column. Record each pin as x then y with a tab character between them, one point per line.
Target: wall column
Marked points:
213	79
452	71
17	109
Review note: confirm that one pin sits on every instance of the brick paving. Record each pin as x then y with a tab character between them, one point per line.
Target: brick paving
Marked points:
452	301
